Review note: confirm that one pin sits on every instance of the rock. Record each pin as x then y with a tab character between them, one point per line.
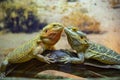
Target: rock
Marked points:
59	74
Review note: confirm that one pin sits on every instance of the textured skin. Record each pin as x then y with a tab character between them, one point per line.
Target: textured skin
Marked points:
46	39
102	54
89	50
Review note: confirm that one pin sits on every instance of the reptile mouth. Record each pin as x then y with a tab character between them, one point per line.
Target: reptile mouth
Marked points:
54	37
60	28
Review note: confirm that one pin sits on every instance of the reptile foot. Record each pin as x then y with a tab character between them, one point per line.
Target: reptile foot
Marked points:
49	60
65	60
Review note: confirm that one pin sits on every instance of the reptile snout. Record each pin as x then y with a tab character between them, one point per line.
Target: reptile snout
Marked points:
60	28
67	31
57	26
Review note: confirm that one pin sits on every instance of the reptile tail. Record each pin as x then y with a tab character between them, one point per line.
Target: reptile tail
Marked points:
2	71
3	68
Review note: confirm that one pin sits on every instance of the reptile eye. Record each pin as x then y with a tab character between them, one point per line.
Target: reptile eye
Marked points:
46	30
74	29
54	25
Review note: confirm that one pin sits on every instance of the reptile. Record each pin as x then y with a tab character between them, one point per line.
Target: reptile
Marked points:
87	49
34	48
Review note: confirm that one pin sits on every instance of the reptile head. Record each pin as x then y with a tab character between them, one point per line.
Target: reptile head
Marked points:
77	39
51	33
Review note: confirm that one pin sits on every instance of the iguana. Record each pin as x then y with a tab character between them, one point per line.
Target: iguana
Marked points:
87	49
46	39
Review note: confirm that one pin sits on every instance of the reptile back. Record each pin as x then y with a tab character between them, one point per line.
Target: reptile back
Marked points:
102	54
20	54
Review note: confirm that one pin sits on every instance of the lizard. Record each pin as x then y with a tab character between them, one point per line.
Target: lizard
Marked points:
45	40
87	49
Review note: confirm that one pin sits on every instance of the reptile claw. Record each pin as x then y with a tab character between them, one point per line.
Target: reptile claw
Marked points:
65	60
49	60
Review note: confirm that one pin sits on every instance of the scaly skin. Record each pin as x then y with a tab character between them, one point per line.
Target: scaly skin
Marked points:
88	50
46	39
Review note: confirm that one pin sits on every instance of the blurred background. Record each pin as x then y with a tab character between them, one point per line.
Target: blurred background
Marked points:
21	20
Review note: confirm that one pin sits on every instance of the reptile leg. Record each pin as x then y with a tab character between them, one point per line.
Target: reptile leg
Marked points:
44	59
37	52
74	60
3	68
81	58
52	48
